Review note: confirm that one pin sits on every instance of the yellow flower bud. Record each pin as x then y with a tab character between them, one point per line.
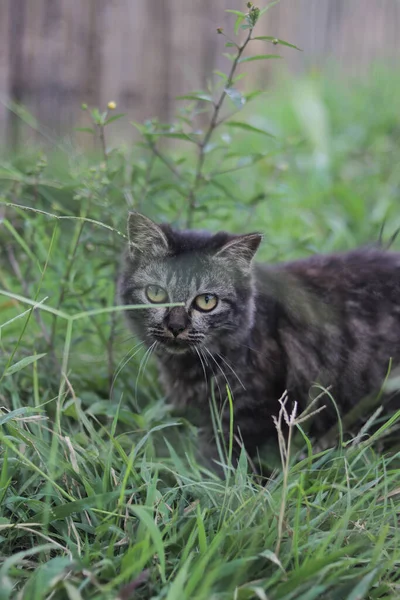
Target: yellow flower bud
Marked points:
111	106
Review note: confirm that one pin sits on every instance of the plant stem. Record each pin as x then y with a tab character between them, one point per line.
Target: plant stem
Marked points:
103	143
164	159
212	126
74	248
286	468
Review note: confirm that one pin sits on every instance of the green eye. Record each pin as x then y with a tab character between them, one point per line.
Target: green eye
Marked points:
205	302
156	294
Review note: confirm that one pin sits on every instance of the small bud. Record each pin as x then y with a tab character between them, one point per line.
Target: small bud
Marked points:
253	16
220	30
249	4
275	41
84	106
111	106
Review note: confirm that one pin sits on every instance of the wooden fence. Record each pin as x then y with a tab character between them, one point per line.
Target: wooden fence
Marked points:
56	54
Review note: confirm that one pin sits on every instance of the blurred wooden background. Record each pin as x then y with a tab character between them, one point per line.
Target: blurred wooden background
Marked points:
56	54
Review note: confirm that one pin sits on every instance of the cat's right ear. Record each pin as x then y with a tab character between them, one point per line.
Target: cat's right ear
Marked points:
146	238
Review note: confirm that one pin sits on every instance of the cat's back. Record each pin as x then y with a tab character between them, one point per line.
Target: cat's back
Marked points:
337	318
366	274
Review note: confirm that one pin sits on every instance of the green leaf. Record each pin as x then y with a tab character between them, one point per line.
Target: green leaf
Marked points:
231	57
18	413
46	576
238	22
269	555
177	587
270	38
314	594
21	364
85	130
196	96
97	501
222	75
259	57
6	589
139	126
247	127
238	78
96	116
72	592
230	45
264	10
363	586
148	521
236	12
177	136
253	94
114	118
236	97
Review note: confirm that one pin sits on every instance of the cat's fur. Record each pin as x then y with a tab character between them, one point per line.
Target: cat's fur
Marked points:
332	320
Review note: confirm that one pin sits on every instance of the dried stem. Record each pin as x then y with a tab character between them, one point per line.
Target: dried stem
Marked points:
212	126
285	444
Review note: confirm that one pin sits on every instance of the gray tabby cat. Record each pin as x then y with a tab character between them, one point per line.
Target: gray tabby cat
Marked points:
261	328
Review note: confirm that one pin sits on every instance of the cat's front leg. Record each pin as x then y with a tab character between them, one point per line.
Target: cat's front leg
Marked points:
252	427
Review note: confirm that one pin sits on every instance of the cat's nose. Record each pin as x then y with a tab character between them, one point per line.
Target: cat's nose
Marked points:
177	320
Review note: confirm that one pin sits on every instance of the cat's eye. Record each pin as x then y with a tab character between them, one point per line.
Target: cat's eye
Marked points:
156	294
205	302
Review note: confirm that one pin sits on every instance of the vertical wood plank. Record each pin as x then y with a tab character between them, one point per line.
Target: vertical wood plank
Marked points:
56	54
5	76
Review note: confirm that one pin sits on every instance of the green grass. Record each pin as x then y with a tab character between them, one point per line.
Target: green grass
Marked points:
100	494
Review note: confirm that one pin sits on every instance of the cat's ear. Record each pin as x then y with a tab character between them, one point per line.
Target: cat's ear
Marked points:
146	238
241	249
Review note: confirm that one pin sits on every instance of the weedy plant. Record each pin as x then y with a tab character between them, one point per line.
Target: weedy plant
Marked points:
100	494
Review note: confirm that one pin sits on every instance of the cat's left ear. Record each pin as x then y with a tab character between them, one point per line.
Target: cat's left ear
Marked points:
146	238
241	249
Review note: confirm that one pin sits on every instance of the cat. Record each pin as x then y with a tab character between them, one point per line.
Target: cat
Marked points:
332	320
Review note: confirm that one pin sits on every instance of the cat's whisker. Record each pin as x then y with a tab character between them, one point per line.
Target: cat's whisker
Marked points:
142	365
128	356
248	347
214	376
232	370
202	365
220	369
152	350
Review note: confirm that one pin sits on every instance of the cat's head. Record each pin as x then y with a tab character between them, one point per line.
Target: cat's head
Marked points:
209	274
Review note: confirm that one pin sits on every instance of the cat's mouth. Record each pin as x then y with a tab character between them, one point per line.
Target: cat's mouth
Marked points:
179	344
173	345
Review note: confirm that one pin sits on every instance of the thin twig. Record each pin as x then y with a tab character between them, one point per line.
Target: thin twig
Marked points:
102	137
164	159
17	271
212	126
68	271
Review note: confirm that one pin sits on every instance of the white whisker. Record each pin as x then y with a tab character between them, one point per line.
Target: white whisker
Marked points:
124	361
232	370
221	370
203	366
143	364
